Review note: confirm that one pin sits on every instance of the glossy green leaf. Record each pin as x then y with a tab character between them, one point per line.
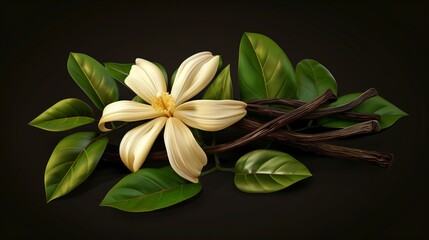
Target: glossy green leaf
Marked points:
93	79
388	112
265	171
264	70
313	79
64	115
72	161
150	189
221	87
118	71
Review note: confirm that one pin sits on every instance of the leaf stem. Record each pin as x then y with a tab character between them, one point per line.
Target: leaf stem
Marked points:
211	170
217	166
222	169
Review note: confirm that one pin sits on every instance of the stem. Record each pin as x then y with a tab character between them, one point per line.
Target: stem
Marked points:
217	166
222	169
211	170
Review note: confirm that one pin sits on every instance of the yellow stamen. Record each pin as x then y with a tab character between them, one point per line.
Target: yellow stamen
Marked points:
164	102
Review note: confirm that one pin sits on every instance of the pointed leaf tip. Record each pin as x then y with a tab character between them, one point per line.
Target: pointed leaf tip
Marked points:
264	70
93	79
64	115
221	87
150	189
313	79
72	161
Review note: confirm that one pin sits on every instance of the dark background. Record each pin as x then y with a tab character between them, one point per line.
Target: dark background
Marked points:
363	45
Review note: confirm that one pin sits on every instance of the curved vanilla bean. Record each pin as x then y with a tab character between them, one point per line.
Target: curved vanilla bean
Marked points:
340	111
371	92
290	136
275	112
374	157
274	124
315	145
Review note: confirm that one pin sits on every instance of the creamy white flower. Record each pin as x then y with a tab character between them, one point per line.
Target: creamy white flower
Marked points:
186	157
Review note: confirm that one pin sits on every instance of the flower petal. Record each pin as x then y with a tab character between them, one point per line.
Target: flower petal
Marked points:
146	80
193	75
186	157
211	115
136	144
127	111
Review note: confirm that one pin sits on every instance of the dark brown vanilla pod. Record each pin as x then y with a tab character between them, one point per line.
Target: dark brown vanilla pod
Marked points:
367	127
374	157
315	142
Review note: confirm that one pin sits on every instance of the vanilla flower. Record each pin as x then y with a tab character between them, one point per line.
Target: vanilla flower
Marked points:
171	110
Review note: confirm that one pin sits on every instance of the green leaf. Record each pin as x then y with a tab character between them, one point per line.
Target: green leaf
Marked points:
313	79
71	162
221	87
265	171
388	112
150	189
264	70
118	71
93	79
64	115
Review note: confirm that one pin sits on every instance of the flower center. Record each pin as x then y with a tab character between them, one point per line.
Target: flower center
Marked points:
164	102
